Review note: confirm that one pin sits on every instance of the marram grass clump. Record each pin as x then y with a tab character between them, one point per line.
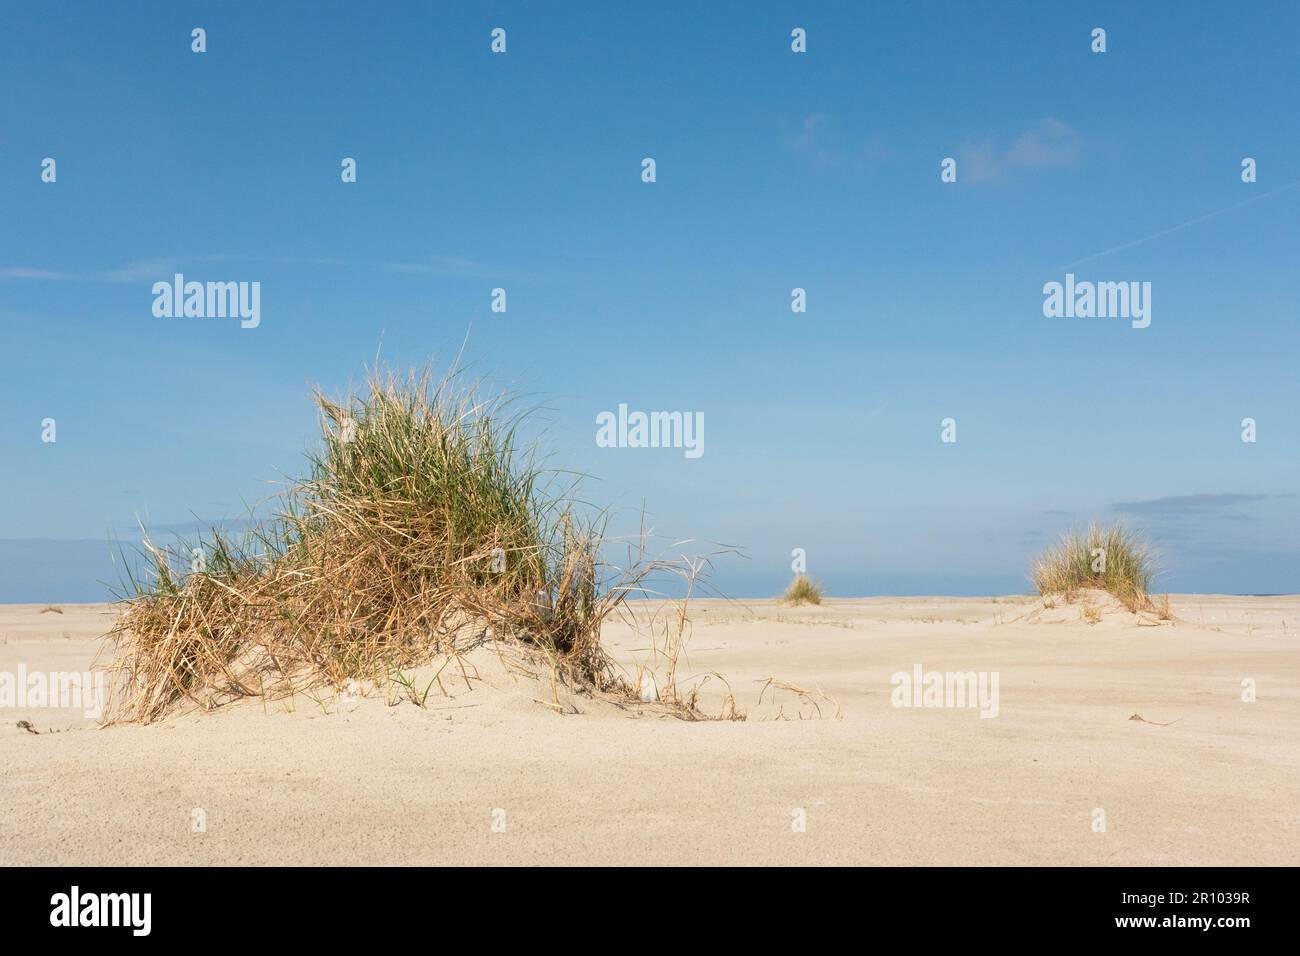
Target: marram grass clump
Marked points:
1114	559
420	520
803	590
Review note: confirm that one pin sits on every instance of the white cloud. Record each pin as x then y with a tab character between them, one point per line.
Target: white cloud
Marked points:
1048	143
816	141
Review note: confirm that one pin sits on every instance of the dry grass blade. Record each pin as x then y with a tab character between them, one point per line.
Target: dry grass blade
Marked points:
808	697
1155	723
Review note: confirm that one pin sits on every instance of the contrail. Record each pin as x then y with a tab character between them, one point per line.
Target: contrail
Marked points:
1185	225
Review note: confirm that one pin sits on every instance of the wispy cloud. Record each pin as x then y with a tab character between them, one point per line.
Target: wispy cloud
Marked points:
450	267
141	270
1195	221
1185	505
137	270
1048	143
817	140
27	272
162	268
309	261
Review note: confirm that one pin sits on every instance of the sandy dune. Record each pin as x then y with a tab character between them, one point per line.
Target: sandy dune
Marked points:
1206	778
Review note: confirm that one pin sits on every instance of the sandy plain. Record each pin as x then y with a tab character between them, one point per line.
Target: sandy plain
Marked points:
491	772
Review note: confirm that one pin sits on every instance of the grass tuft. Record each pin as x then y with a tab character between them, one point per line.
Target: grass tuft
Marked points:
420	520
1114	559
803	590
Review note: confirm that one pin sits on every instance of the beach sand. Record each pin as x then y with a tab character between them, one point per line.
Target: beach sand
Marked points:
495	775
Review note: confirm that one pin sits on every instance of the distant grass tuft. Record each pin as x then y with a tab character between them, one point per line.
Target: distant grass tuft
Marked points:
803	590
1164	610
1112	559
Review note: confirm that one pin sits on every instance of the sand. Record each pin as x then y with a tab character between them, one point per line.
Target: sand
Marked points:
495	775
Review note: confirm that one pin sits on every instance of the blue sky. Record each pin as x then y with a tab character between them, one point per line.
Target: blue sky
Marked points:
775	170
